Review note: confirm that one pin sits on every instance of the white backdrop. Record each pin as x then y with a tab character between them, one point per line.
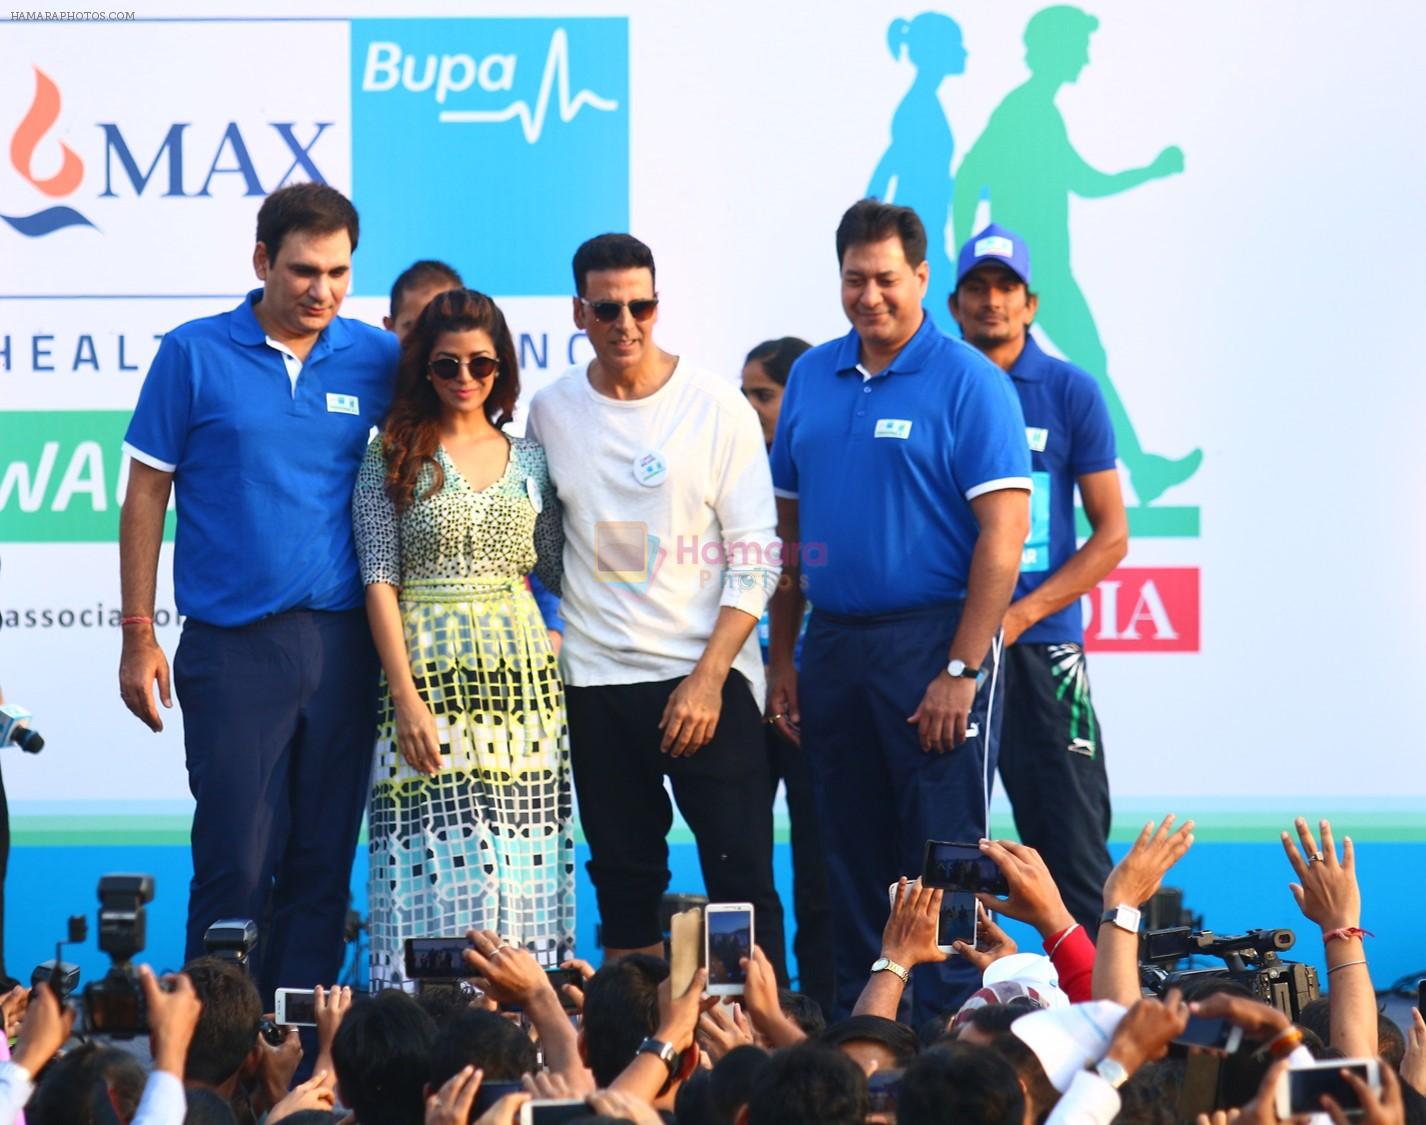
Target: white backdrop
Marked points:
1258	306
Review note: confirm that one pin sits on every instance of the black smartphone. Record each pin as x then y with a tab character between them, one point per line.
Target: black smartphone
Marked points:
882	1088
557	978
1214	1034
490	1093
438	958
962	867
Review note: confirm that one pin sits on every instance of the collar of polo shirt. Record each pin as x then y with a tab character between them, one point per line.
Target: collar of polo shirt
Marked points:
1029	366
909	360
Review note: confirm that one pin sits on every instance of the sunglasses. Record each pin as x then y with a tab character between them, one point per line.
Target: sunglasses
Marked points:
606	312
480	367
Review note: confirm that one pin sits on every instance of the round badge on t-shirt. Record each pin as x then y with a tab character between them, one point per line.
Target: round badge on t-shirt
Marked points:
650	469
532	489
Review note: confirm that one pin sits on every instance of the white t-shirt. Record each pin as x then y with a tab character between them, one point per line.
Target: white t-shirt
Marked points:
668	515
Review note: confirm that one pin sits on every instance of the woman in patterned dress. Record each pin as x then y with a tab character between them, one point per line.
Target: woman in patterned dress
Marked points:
470	816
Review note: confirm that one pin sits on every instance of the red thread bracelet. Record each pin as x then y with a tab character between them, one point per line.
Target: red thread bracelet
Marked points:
136	621
1346	932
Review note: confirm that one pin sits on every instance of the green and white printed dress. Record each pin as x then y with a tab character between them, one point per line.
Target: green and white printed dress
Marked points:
487	842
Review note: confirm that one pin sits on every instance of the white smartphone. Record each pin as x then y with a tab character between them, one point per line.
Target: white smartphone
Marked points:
1302	1088
296	1007
553	1111
727	939
959	920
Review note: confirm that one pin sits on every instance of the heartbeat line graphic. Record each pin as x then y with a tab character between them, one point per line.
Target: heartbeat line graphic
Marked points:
533	121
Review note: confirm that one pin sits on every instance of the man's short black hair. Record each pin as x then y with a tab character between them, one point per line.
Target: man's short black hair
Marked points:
208	1107
485	1040
870	220
421	275
957	1082
1036	1084
734	1078
802	1010
310	208
610	252
382	1055
897	1038
810	1084
227	1025
79	1079
621	1010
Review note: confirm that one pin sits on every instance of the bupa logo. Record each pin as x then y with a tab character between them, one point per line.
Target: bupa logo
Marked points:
515	130
1143	609
186	160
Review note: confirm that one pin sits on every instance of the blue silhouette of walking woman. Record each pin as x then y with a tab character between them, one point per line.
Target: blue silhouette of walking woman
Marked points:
915	171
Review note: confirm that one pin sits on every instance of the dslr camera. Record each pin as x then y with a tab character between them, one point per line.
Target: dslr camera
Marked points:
1251	959
114	1006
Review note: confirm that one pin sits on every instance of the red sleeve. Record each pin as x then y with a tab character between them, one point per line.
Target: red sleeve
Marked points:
1074	961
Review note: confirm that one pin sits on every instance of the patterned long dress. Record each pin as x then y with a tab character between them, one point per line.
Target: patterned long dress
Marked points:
487	841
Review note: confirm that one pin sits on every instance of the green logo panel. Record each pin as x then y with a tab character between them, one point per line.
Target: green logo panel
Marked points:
60	476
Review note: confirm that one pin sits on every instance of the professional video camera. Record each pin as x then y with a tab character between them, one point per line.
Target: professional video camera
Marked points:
1251	960
26	739
114	1006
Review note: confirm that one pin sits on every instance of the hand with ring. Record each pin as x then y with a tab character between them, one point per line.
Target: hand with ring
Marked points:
508	973
1326	890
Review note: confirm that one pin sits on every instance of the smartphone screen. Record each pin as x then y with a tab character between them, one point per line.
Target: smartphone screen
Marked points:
1306	1087
553	1112
1215	1034
962	867
957	921
437	958
730	939
298	1007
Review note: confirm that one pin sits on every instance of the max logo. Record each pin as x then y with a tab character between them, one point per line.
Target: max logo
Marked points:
231	157
44	112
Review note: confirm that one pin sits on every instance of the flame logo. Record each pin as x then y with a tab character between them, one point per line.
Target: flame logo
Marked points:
41	118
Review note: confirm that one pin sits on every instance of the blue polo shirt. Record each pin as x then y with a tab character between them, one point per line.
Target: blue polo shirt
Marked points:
884	469
1068	430
263	475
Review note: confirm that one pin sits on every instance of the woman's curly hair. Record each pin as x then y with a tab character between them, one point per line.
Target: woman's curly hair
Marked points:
412	430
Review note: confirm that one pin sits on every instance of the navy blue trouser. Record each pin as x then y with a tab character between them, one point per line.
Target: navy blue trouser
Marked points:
1052	764
880	796
278	720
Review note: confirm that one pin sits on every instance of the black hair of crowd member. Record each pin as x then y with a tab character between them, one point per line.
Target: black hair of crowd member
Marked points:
227	1025
960	1082
382	1055
897	1038
809	1084
484	1040
621	1010
419	275
306	208
870	220
610	252
777	356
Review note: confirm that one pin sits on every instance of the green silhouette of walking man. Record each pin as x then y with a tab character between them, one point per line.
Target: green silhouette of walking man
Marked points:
1024	163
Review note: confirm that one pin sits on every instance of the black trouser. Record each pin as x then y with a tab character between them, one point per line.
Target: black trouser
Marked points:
1052	763
812	942
626	814
278	722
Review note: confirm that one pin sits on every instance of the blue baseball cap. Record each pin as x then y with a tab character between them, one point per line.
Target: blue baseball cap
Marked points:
997	245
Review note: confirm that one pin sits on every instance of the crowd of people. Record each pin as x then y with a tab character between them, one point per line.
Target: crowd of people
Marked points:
1061	1038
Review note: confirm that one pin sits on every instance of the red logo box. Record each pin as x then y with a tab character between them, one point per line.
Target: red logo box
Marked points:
1143	609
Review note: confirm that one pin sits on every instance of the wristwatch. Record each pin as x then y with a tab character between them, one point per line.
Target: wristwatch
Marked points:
1111	1070
887	965
1125	917
665	1051
960	670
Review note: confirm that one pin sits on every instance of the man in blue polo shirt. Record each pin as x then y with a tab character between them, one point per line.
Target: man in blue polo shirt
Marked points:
258	419
1051	751
900	465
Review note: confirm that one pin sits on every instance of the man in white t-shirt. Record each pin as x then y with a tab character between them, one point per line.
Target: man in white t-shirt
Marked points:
670	555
